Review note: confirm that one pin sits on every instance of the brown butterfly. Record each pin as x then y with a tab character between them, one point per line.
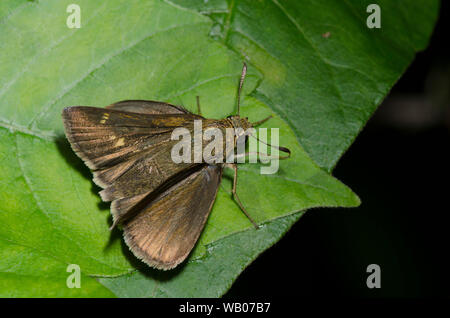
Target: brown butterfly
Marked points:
161	205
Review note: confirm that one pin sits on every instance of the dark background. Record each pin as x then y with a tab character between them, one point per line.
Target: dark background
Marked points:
399	166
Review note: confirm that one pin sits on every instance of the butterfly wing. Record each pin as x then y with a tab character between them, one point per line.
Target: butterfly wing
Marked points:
129	152
164	231
147	107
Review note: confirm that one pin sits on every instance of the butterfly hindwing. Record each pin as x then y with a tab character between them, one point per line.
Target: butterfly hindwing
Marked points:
163	232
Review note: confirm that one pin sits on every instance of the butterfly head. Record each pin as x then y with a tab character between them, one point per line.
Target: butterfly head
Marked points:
240	122
240	125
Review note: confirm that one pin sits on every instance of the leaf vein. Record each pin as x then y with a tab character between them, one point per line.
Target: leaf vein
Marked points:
96	67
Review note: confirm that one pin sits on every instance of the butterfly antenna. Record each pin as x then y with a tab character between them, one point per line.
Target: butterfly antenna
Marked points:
283	149
241	82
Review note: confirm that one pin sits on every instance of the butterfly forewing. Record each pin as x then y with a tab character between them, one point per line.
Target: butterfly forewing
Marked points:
103	138
148	107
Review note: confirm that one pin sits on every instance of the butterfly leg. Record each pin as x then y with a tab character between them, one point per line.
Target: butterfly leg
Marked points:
235	196
199	111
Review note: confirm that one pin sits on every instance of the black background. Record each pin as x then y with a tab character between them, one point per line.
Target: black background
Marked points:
399	166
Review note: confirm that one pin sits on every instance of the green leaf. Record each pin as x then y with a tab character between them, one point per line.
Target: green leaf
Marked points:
326	88
50	213
27	272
